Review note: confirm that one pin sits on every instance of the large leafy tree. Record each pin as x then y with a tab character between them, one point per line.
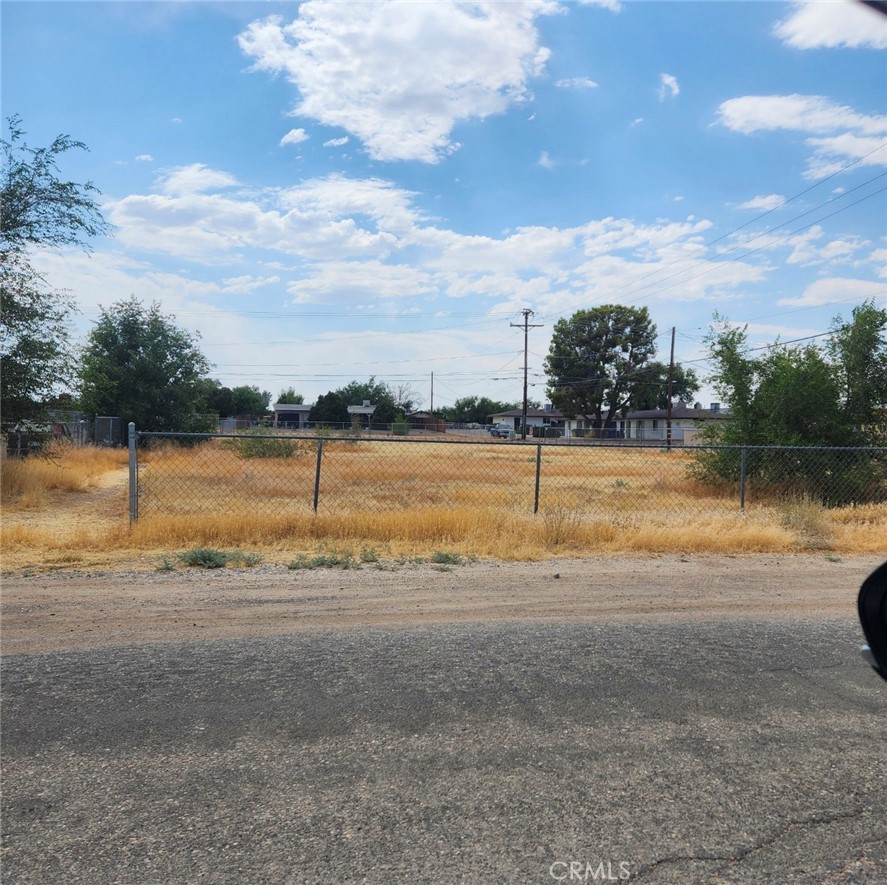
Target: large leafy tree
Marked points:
475	409
649	388
39	210
802	396
858	349
595	357
139	365
332	407
249	400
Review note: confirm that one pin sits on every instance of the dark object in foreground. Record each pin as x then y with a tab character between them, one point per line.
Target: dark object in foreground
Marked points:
872	604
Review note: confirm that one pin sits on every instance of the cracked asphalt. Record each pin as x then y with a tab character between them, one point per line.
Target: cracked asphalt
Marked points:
733	751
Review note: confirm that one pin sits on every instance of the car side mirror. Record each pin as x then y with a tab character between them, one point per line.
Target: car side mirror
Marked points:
872	605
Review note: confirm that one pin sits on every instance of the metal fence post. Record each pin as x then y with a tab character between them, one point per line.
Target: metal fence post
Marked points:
538	470
317	472
133	475
742	478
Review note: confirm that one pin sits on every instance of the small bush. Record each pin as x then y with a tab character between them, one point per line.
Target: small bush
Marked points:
258	444
400	428
204	557
207	557
323	560
368	554
441	557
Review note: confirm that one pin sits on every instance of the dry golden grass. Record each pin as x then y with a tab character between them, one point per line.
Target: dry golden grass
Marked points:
26	483
405	500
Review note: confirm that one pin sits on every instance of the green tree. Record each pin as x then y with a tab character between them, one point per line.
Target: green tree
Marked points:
332	407
139	365
38	209
799	396
858	349
34	340
249	401
218	398
594	358
289	396
649	388
476	409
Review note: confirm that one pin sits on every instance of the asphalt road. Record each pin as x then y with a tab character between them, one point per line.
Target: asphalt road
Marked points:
748	751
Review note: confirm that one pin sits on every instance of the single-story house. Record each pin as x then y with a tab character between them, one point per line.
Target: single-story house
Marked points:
293	415
536	418
686	423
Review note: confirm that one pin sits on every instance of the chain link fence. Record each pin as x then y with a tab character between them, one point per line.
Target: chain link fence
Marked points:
287	474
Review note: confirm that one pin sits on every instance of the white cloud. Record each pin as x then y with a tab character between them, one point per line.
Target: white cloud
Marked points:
816	24
668	87
294	136
804	113
545	161
879	259
400	75
176	120
194	179
576	83
336	142
144	158
637	121
612	5
841	134
246	283
763	204
346	280
834	289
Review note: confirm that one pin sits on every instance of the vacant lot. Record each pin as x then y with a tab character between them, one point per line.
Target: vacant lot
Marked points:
399	499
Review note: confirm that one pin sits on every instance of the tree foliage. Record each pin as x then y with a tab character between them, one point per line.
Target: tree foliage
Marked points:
475	410
139	365
332	407
595	359
38	209
34	351
802	396
649	389
249	400
289	396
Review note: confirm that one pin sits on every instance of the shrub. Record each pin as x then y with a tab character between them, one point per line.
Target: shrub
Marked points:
258	444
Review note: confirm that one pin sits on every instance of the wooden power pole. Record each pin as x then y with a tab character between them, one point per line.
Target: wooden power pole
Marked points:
526	325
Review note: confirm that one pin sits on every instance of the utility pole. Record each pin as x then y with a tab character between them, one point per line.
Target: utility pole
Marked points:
431	410
668	403
526	325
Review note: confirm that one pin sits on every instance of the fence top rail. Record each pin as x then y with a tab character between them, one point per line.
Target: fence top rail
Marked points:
586	443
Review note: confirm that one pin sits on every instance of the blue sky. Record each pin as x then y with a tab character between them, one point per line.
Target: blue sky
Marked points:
328	191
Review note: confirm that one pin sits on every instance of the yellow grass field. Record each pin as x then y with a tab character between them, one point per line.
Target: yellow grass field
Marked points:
398	498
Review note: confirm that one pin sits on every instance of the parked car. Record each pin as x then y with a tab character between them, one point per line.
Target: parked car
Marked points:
504	431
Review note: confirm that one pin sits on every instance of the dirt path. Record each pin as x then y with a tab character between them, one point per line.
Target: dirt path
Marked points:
73	610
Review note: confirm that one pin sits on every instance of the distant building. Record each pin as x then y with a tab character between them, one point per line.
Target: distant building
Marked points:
292	415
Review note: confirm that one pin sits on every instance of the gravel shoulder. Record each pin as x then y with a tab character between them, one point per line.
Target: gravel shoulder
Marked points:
75	610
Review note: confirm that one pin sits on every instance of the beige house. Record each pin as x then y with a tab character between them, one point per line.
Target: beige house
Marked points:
649	425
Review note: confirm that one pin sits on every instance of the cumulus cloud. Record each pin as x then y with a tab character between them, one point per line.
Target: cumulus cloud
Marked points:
668	87
545	161
763	204
400	75
194	179
336	142
144	158
576	83
294	136
838	134
813	25
828	291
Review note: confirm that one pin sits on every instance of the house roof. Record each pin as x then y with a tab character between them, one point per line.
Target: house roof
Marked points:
679	410
291	407
531	413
